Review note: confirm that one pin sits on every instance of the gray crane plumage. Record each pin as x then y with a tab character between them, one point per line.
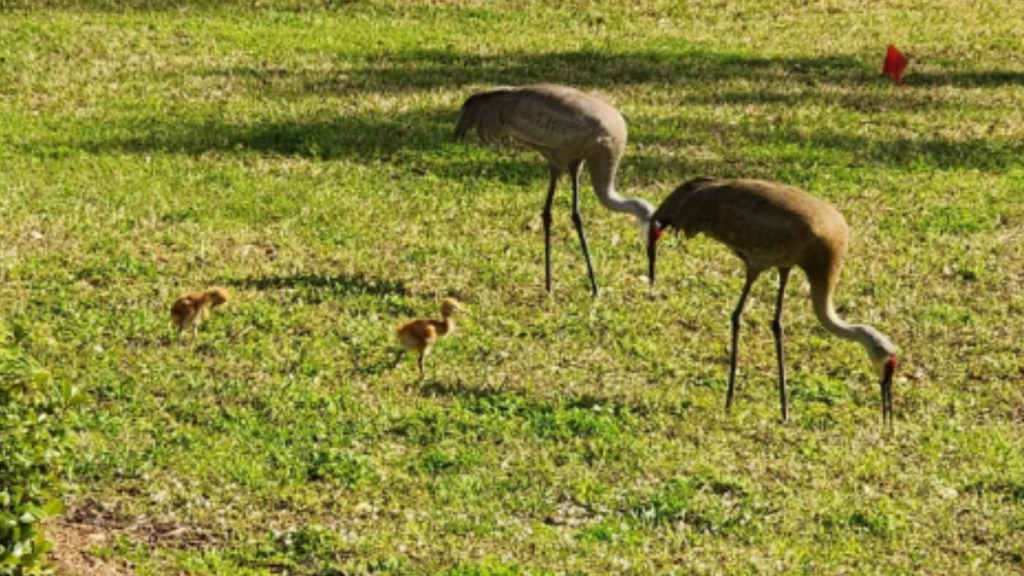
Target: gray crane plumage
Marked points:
569	128
772	225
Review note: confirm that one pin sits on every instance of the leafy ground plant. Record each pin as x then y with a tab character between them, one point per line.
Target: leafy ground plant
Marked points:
34	427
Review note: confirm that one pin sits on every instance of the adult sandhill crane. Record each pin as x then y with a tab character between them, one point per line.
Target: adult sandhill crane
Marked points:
771	225
568	128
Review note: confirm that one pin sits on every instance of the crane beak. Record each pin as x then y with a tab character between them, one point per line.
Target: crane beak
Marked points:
888	370
654	232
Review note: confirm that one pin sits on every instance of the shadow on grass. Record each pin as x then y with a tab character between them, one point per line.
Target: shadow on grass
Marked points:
374	366
698	75
690	70
376	136
422	141
843	147
432	387
694	72
500	399
966	79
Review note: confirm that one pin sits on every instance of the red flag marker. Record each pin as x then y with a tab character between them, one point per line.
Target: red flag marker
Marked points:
895	63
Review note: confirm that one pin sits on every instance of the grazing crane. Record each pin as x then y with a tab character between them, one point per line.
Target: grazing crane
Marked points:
419	334
771	225
568	128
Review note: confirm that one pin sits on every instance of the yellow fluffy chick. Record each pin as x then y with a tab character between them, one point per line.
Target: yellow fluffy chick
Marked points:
419	334
191	309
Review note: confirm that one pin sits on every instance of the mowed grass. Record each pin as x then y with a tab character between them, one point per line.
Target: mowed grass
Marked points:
301	155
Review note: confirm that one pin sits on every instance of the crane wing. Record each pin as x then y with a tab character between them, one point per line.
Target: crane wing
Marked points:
416	334
684	208
544	117
543	120
765	222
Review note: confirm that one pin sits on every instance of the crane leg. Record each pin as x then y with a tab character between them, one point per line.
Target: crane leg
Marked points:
578	222
545	215
751	276
777	332
420	364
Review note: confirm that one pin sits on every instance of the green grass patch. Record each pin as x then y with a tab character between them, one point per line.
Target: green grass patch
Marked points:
301	155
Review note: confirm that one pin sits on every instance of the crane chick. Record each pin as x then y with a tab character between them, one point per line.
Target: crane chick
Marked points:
191	309
420	334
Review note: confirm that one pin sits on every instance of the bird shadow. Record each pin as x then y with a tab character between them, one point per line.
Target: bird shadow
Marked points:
500	395
433	387
337	284
375	366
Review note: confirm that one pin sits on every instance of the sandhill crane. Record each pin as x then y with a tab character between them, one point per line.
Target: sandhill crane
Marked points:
191	309
568	128
771	225
420	334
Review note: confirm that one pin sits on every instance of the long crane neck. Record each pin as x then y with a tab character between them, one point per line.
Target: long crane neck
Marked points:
445	326
880	350
876	344
642	210
602	175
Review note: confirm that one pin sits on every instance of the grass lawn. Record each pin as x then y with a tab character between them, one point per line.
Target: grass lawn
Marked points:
301	155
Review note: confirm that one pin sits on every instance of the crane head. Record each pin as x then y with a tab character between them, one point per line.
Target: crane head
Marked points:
882	353
889	368
654	232
218	296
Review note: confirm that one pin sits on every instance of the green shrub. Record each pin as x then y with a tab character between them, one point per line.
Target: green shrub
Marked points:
34	421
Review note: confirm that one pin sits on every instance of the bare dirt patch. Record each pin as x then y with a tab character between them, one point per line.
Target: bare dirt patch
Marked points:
73	543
